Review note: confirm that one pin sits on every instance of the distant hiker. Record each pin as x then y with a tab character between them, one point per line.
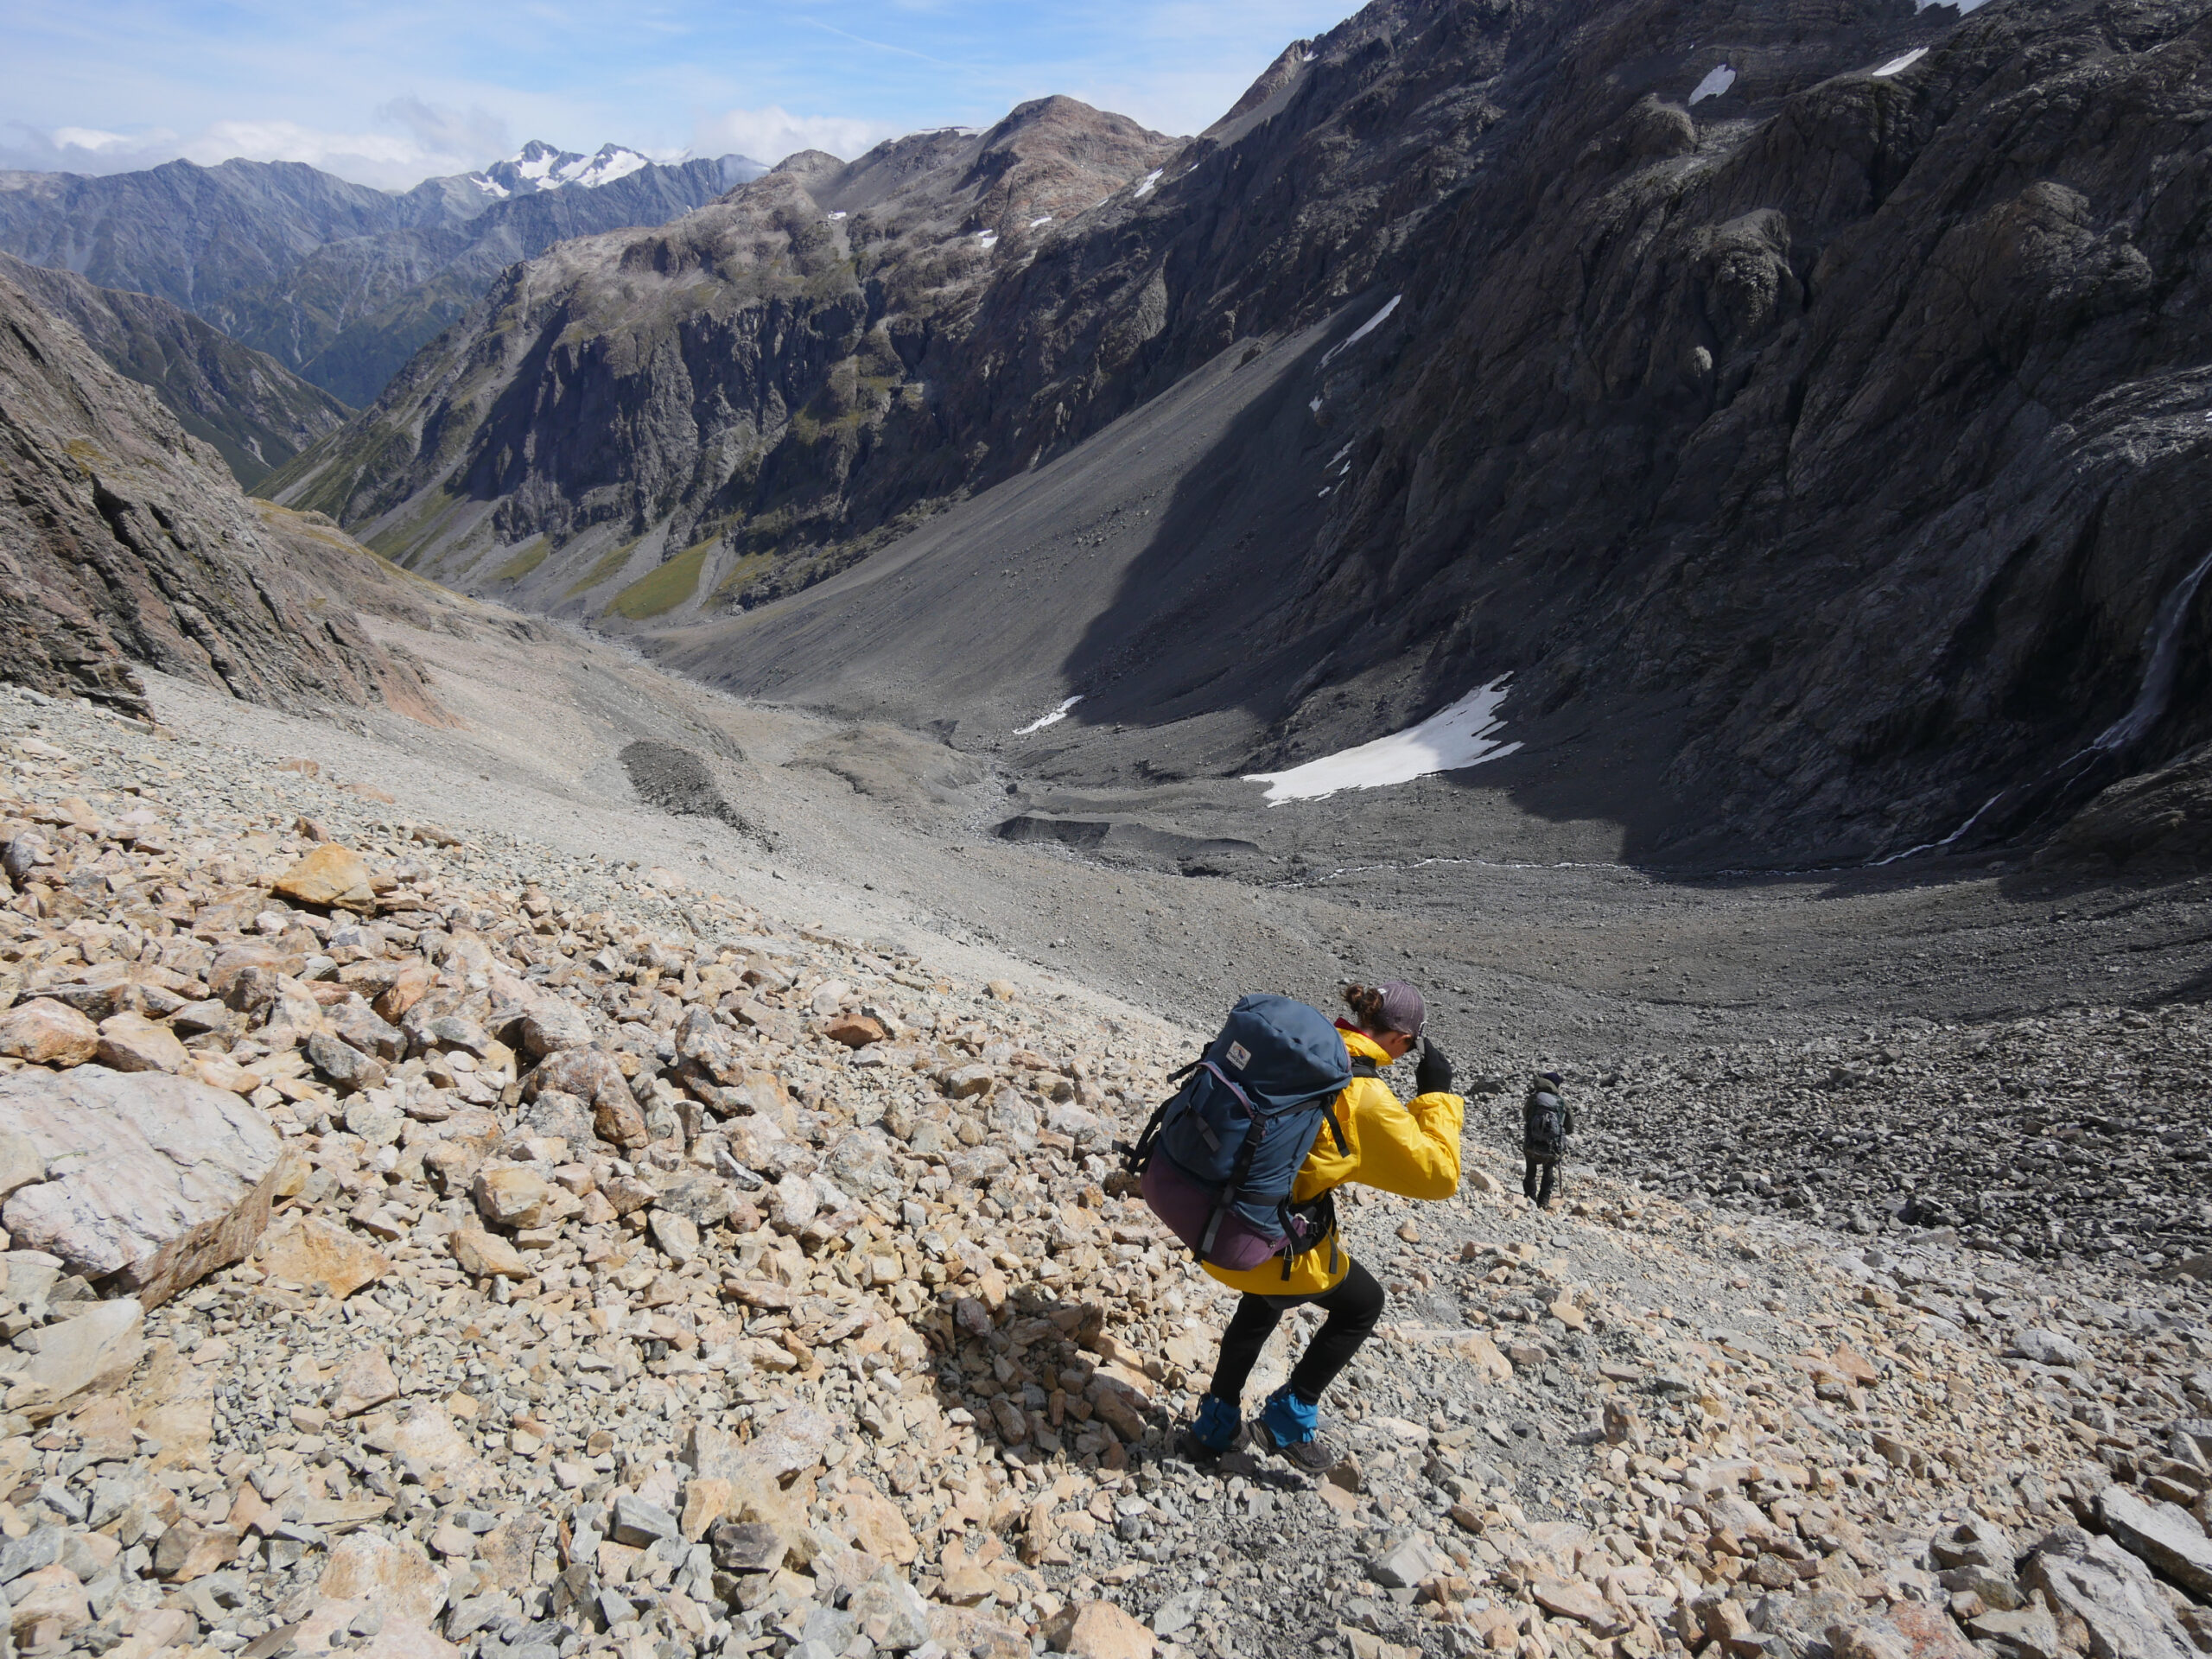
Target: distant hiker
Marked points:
1243	1164
1546	1122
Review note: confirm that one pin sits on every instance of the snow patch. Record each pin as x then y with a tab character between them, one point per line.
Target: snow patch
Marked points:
835	217
1451	738
1041	218
1898	66
1315	405
988	240
1052	719
1150	178
1714	84
1362	331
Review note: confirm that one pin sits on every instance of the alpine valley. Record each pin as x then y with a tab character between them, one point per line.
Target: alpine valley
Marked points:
579	968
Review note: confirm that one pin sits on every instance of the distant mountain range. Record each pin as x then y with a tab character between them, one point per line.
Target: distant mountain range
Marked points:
339	282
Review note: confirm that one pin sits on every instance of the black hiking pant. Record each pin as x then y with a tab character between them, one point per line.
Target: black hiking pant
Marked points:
1536	1178
1353	1307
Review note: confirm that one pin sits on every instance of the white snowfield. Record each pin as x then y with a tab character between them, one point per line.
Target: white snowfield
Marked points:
1448	741
1898	66
1052	719
1362	331
1718	82
1150	179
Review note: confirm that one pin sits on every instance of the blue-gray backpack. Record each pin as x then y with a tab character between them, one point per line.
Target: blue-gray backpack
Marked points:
1217	1160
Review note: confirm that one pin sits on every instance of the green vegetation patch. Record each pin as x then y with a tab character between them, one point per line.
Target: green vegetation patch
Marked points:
404	543
663	588
613	561
743	572
527	558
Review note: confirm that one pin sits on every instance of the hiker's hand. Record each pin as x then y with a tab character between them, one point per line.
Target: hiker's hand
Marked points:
1432	1076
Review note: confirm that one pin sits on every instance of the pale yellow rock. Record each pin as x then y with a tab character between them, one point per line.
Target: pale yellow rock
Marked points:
311	1251
330	876
1098	1629
47	1033
877	1526
131	1042
1482	1354
485	1255
220	1071
706	1500
508	1195
395	1573
364	1382
51	1592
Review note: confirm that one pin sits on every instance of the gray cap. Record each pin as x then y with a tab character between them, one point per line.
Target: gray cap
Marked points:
1403	1008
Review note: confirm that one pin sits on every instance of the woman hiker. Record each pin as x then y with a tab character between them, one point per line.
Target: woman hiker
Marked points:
1412	1150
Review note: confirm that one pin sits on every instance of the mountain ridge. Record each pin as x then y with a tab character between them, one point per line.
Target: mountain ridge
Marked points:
339	282
255	412
123	541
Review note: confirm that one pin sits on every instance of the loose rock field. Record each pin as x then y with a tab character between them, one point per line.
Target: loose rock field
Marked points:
565	1258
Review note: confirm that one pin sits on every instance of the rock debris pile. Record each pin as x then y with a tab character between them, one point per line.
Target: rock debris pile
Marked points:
2086	1133
417	1244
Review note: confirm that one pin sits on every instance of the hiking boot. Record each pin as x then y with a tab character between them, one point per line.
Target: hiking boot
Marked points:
1290	1428
1216	1429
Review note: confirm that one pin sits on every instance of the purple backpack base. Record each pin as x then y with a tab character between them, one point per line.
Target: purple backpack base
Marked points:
1186	1206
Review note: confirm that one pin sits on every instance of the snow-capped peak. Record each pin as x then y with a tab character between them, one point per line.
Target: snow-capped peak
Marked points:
538	166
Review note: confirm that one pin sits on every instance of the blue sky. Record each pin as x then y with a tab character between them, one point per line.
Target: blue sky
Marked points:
391	93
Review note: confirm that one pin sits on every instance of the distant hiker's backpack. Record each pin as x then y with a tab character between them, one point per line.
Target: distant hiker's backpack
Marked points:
1544	1118
1217	1159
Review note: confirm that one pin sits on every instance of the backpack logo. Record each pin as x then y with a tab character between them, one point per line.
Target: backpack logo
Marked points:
1239	1057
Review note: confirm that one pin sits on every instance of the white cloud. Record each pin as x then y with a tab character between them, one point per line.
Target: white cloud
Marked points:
441	130
423	141
772	133
90	138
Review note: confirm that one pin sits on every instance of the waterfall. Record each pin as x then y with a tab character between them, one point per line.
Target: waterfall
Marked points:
2163	641
2164	637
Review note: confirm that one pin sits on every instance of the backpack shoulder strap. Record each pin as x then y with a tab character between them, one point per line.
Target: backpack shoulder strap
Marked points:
1365	1069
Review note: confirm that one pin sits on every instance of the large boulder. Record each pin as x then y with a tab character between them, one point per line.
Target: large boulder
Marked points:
2113	1594
590	1074
2164	1535
96	1351
153	1181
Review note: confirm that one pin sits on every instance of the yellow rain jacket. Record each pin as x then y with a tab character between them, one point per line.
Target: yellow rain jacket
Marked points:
1412	1150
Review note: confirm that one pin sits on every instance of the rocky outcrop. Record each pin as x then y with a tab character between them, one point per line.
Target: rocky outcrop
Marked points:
254	411
339	282
123	540
151	1182
1838	431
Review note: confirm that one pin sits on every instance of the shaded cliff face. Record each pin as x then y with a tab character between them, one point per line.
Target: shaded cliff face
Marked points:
1856	418
1823	455
123	540
255	412
339	282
